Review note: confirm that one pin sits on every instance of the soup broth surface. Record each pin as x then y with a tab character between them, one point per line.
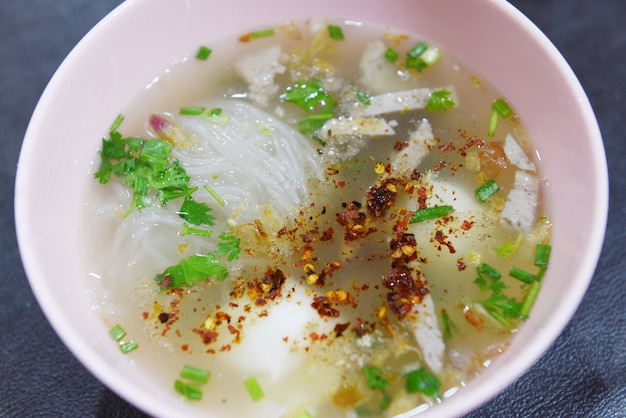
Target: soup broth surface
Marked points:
337	302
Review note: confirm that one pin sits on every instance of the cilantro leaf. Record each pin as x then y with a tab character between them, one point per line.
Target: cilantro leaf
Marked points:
191	270
440	100
196	213
144	166
509	307
311	97
421	381
307	95
374	378
228	246
489	279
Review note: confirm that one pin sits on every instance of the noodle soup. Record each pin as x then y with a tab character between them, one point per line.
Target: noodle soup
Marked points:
328	218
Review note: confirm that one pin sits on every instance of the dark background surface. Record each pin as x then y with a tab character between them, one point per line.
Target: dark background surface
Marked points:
583	374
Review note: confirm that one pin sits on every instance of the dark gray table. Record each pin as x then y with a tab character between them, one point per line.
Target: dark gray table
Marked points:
583	374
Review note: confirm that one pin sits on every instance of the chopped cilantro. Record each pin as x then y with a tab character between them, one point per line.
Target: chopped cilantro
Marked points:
228	246
421	381
335	32
374	378
314	122
308	95
196	213
191	270
311	97
143	165
508	248
440	100
363	97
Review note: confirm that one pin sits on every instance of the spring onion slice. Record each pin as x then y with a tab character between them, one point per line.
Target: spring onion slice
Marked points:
117	333
530	298
203	53
191	110
188	390
542	255
262	33
487	190
254	389
521	275
129	346
431	213
493	123
502	107
417	50
195	374
335	32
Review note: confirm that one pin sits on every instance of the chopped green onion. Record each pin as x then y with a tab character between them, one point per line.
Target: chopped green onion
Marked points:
335	32
305	414
485	268
508	248
215	196
129	346
493	123
430	56
445	318
542	255
197	375
502	107
540	273
421	381
486	191
439	100
262	33
216	111
530	298
431	213
374	378
203	53
417	50
191	110
117	333
116	123
391	54
254	389
188	390
521	275
417	63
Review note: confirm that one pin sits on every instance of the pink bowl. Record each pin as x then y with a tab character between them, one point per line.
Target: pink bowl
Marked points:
141	38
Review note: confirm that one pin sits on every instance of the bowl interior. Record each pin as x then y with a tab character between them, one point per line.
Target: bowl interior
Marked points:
139	40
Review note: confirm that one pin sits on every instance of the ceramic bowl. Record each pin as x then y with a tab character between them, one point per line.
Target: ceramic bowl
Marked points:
141	38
